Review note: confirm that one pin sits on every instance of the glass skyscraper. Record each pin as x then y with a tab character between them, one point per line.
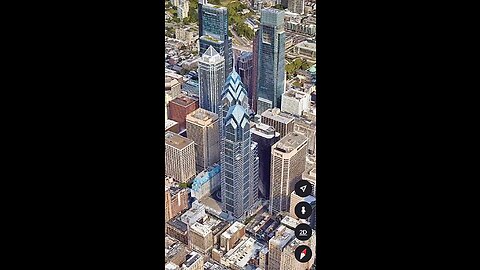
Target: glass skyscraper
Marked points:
239	160
271	60
211	74
213	31
244	67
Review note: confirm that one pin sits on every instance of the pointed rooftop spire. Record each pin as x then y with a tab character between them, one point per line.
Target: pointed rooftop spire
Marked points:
210	51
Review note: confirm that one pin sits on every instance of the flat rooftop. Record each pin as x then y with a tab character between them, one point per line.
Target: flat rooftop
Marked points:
178	224
200	229
233	229
282	236
290	142
295	94
192	258
264	130
278	115
202	116
177	141
183	101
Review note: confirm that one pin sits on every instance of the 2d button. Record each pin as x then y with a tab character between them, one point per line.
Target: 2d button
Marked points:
303	253
303	210
303	232
303	188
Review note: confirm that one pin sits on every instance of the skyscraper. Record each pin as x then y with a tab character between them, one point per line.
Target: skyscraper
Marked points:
271	60
236	160
288	164
265	136
244	67
282	122
211	74
179	108
213	31
179	157
203	128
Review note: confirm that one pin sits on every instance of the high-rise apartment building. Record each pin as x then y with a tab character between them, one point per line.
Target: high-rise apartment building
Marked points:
282	122
271	60
296	6
244	67
265	136
211	74
179	157
236	173
179	108
213	31
288	164
200	238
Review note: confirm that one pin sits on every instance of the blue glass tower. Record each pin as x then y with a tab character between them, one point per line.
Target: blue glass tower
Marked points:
213	31
239	161
270	60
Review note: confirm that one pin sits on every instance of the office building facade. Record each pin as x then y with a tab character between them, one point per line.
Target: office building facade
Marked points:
282	122
179	108
211	74
179	157
271	60
236	161
287	166
244	67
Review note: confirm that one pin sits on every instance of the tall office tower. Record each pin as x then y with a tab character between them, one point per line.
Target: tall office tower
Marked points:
255	72
288	260
244	67
200	238
211	74
288	164
179	157
194	262
296	6
200	12
265	136
282	237
282	122
236	161
204	129
213	31
295	102
254	173
182	9
179	108
271	60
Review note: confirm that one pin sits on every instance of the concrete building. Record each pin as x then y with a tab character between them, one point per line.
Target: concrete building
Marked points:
265	136
231	236
179	157
282	122
176	200
194	261
178	230
200	238
238	257
172	126
306	49
276	245
174	251
288	164
180	107
206	182
194	214
203	127
171	266
173	88
296	6
295	102
309	129
187	35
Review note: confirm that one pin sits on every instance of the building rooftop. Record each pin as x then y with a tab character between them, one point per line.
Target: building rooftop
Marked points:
192	258
290	222
200	229
304	122
184	101
177	141
202	117
204	176
282	236
169	123
264	130
295	94
243	252
178	224
233	229
278	115
290	142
